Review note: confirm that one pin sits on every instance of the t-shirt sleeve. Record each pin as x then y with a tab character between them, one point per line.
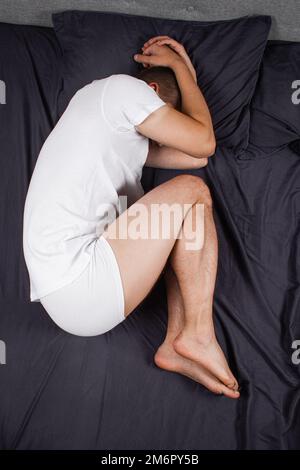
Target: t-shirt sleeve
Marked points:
127	101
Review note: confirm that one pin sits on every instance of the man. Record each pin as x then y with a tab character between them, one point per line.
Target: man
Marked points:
87	283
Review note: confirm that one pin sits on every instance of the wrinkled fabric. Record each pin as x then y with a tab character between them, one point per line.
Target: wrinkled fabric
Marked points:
59	391
29	69
256	304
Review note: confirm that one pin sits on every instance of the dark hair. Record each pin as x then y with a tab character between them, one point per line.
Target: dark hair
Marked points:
169	90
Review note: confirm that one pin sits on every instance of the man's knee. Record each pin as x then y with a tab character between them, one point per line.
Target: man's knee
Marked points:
205	195
196	185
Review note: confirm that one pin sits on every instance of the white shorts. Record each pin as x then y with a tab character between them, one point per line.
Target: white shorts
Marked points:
94	302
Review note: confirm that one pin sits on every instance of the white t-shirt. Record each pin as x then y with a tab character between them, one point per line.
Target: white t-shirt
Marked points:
92	156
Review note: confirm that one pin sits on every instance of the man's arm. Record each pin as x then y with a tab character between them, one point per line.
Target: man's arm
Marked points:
172	159
193	103
190	131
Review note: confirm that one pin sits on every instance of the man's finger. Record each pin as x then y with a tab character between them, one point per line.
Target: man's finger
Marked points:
172	43
142	58
156	38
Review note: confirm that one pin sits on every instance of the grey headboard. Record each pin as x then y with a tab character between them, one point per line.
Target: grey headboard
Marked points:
285	13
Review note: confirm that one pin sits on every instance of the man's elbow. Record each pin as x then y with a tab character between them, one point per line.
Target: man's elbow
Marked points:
210	143
211	148
208	147
199	163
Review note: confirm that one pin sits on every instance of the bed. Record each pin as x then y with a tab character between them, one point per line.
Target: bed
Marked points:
59	391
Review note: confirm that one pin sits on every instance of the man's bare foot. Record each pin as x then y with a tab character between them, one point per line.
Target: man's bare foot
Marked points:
167	358
206	351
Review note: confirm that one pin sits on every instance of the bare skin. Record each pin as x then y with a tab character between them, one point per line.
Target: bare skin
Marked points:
168	358
176	46
196	275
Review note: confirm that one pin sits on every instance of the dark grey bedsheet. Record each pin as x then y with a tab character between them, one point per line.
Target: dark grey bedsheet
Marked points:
63	392
60	391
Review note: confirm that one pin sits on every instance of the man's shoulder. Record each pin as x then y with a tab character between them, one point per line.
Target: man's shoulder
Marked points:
123	86
123	78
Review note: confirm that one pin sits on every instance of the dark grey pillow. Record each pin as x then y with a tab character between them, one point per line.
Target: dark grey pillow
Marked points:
226	55
275	108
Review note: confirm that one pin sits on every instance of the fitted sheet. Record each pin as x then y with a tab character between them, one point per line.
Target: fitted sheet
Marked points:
64	392
61	391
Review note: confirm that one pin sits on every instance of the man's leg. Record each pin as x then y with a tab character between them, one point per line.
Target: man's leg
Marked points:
141	261
167	358
196	274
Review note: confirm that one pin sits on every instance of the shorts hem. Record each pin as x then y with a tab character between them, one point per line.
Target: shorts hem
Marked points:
60	286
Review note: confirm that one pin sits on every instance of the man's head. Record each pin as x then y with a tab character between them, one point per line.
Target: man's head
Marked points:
164	83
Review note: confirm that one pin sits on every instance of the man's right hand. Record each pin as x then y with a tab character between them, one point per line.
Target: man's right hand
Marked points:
156	55
176	46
